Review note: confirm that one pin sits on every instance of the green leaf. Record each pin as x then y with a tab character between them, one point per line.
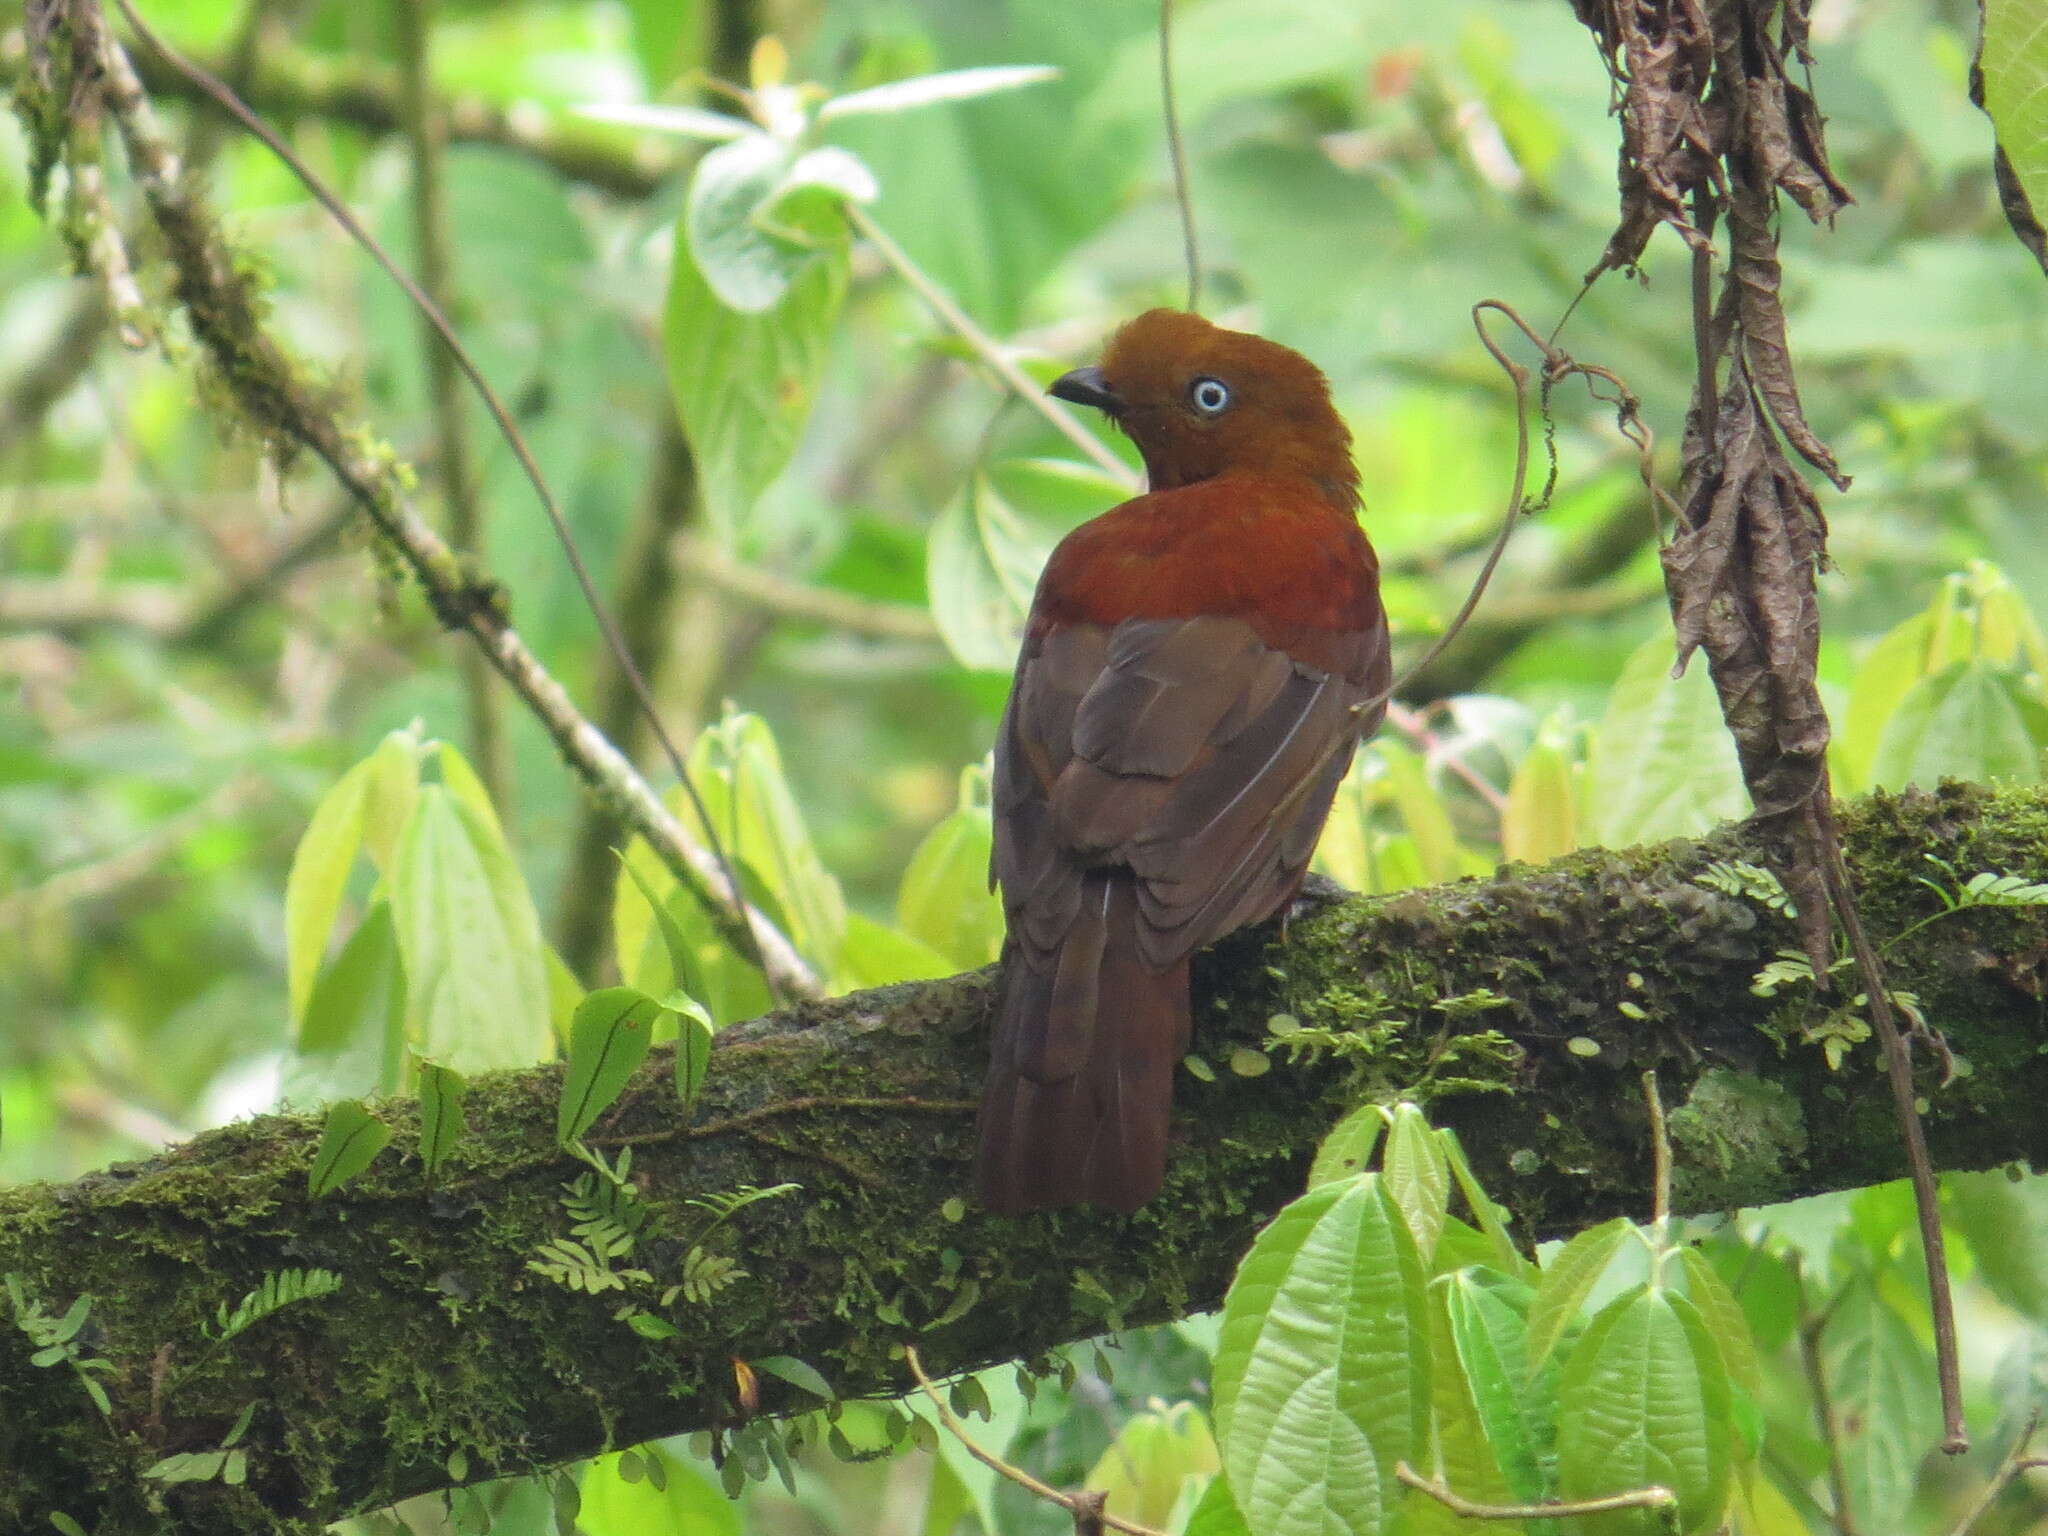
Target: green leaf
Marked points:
1568	1282
989	544
928	90
1541	819
188	1467
1322	1372
1880	1379
1216	1514
738	771
349	1142
1505	1256
944	900
675	943
1491	1339
1146	1470
609	1039
1643	1402
1660	763
875	955
1418	1177
476	980
1423	812
1972	720
65	1524
464	783
685	1504
1348	1148
319	873
1725	1321
797	1373
724	982
743	380
353	1029
2014	62
441	1120
668	117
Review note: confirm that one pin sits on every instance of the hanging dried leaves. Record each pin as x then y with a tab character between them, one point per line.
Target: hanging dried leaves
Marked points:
1713	124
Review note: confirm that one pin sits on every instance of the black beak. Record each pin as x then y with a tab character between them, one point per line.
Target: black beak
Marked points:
1087	386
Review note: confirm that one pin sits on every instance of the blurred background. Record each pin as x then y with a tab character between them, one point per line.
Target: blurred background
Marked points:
196	641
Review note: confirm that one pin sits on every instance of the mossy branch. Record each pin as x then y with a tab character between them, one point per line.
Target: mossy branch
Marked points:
1524	1008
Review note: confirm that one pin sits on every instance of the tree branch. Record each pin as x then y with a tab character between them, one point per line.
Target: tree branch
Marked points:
442	1339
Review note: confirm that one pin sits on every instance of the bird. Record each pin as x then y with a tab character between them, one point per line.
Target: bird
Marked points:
1198	666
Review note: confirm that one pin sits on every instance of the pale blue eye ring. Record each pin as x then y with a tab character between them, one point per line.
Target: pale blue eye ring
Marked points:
1210	397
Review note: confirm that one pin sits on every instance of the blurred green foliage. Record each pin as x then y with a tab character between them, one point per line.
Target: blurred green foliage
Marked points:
241	859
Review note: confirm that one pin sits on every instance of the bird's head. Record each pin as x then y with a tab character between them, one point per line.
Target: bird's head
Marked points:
1200	401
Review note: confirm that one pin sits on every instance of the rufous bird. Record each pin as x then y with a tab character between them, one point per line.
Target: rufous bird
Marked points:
1198	667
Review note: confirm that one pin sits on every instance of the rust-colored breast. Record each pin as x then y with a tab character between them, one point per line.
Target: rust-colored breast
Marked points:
1277	554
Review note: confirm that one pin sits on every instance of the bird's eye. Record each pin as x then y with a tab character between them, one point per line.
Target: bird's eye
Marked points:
1209	396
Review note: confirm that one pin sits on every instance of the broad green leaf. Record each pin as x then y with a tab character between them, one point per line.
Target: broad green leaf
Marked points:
319	873
1349	1147
352	1038
1322	1373
1887	675
1418	1177
944	900
928	90
463	783
1973	720
1503	1255
476	980
607	1042
989	544
724	982
874	955
394	786
743	381
1642	1402
349	1142
441	1119
1491	1339
1568	1282
676	943
1423	812
2005	1222
736	236
1661	763
1725	1321
1216	1512
1541	821
1459	1451
2014	62
1155	1455
684	1503
1881	1381
738	771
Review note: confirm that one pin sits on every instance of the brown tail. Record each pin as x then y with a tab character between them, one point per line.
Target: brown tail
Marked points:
1080	1082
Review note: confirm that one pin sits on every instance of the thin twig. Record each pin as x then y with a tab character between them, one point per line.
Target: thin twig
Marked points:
746	928
1653	1497
1660	1153
1409	723
2016	1462
1177	153
984	346
270	388
1898	1065
1078	1505
454	464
